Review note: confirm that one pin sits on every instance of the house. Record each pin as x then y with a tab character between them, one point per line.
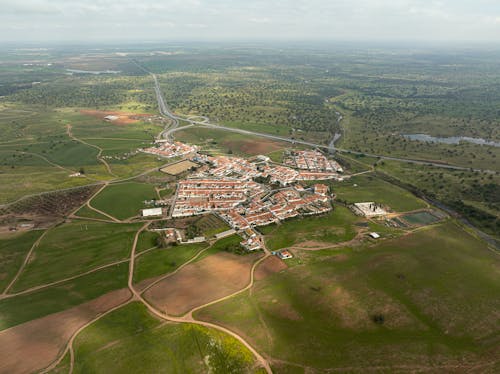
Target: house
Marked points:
374	235
320	189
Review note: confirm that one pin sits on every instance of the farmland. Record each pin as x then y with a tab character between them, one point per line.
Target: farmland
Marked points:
74	248
123	200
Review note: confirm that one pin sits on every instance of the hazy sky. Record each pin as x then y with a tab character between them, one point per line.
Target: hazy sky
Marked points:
77	20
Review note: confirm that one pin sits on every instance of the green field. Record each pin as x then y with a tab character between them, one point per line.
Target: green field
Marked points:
369	188
13	250
24	308
74	248
124	200
86	212
147	240
334	227
421	300
131	340
162	261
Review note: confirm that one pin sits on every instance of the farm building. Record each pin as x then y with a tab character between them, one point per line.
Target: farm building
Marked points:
284	254
152	212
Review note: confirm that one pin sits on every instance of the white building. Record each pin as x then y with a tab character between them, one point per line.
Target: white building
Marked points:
152	212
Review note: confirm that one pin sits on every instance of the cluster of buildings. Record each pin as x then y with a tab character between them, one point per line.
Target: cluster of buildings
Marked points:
312	160
276	206
169	149
198	196
222	167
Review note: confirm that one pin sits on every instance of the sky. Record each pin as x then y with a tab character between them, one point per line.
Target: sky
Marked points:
214	20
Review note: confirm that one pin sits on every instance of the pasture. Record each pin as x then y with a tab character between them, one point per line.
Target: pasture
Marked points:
333	227
123	200
421	300
74	248
13	250
363	188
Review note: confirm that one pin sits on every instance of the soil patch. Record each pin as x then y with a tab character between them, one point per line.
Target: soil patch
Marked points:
269	266
200	282
253	147
34	345
121	118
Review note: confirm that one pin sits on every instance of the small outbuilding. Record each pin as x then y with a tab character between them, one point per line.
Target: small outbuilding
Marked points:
284	254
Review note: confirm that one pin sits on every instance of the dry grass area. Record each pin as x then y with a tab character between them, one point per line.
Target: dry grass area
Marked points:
203	281
33	345
178	167
268	267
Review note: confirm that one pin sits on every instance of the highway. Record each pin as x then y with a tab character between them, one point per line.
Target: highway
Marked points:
165	111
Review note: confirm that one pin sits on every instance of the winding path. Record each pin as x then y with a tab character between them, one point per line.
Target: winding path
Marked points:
70	134
25	262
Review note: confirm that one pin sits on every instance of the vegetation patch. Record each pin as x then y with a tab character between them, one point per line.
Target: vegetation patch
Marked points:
13	250
124	200
74	248
363	188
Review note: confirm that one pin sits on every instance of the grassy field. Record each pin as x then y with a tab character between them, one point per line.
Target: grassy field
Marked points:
131	340
374	189
164	260
13	250
86	212
74	248
124	200
147	239
210	225
23	308
421	300
334	227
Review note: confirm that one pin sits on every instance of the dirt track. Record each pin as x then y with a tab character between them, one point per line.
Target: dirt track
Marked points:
201	282
33	345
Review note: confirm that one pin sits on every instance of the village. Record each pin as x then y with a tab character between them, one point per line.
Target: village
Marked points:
247	193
